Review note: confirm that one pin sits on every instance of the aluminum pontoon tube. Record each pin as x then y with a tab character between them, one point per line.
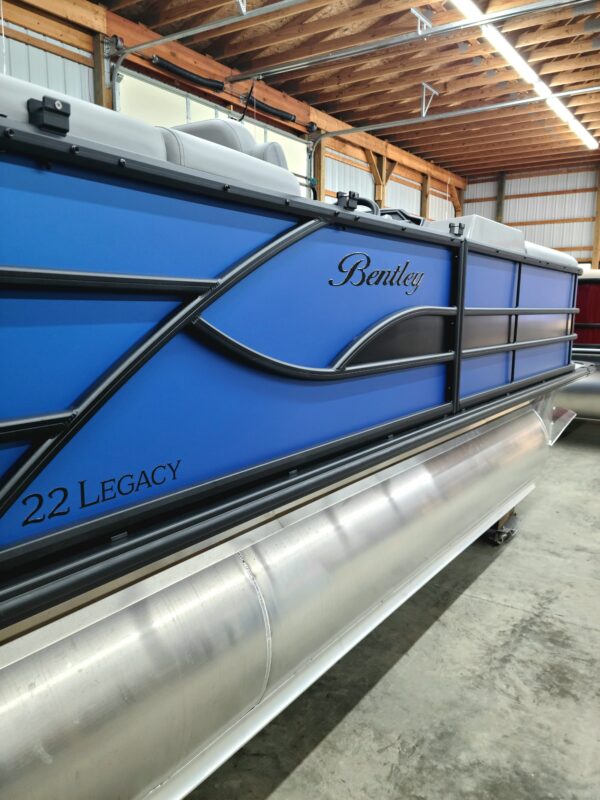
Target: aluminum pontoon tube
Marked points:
148	690
583	396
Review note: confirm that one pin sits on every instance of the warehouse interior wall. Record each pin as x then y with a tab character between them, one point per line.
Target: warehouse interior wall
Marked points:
557	210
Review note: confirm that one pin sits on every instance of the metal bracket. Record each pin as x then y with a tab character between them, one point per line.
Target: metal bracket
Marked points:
426	98
504	530
242	6
424	24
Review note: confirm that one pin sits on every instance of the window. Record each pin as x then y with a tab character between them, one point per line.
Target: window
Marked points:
157	104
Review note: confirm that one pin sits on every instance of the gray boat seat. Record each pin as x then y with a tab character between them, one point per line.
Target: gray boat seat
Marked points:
228	162
233	134
87	121
235	159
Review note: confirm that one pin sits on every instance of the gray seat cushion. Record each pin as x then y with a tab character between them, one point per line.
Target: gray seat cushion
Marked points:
87	121
227	163
232	134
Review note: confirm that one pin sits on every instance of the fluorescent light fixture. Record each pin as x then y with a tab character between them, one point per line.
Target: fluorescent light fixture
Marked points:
501	45
559	109
540	88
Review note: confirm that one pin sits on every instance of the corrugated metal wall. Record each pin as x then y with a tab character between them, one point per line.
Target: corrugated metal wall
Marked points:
401	195
440	207
347	175
554	210
48	69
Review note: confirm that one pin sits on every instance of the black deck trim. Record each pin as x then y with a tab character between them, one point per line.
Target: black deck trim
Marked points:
27	428
34	593
208	334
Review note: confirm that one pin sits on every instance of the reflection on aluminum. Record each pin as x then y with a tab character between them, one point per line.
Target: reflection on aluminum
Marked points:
150	689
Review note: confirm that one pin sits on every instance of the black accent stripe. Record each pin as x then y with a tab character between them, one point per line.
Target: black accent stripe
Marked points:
101	281
29	428
349	354
27	470
204	331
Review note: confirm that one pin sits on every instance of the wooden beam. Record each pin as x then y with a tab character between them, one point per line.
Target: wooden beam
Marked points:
425	192
391	67
556	33
87	15
246	24
38	22
403	24
295	31
494	145
102	89
546	19
582	45
48	47
319	170
375	164
567	64
168	13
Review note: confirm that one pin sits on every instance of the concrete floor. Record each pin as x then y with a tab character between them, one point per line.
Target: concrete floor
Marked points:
484	686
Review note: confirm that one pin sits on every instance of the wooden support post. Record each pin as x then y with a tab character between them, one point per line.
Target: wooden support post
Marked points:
377	165
425	189
596	244
456	200
102	90
381	169
319	170
500	195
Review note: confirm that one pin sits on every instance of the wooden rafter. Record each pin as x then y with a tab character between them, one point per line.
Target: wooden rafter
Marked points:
560	44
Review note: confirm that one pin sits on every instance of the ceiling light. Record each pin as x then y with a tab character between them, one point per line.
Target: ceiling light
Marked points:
501	45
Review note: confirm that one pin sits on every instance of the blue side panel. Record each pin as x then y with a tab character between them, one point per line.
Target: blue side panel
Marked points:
289	309
9	453
534	360
191	414
53	348
483	373
491	282
98	224
545	288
